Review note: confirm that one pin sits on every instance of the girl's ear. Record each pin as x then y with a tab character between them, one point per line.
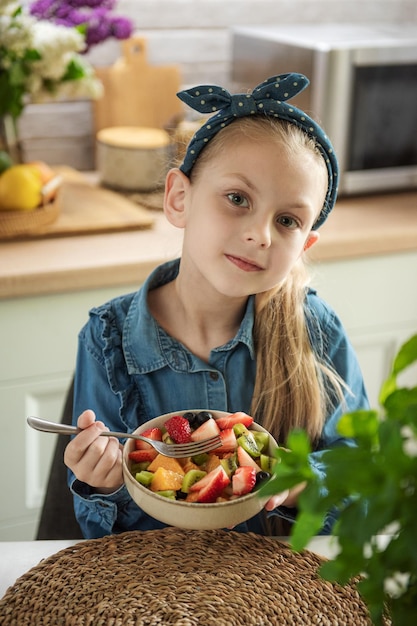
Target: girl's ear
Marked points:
176	185
311	239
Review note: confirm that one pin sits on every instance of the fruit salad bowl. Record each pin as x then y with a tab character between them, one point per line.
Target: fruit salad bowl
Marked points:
218	491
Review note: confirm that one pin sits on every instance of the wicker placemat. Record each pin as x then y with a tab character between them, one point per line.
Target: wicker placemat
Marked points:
186	578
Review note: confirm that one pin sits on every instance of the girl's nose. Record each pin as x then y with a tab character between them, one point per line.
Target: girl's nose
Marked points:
259	234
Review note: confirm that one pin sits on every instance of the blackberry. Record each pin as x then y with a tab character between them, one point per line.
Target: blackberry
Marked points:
192	418
202	417
262	476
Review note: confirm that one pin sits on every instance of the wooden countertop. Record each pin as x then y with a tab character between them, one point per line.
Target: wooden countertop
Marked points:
358	227
368	225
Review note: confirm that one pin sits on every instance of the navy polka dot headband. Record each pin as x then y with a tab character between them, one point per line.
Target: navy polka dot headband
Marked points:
270	99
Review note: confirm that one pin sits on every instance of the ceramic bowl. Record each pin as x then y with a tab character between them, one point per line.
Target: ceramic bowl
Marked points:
190	515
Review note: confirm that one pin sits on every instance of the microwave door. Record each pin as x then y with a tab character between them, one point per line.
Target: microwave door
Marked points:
382	140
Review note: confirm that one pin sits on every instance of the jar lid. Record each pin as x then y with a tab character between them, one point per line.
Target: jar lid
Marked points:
134	137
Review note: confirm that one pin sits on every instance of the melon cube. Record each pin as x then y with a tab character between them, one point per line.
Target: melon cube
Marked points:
167	463
165	480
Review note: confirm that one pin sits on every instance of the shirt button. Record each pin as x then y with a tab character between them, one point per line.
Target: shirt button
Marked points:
214	376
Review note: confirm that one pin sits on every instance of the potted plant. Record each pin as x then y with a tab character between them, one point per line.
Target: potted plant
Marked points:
374	488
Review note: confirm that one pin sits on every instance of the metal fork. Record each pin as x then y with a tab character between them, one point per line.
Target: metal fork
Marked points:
174	450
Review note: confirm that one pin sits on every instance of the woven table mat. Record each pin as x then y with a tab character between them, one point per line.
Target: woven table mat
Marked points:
181	577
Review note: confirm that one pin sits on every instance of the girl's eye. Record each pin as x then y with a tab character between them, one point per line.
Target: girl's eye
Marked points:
238	199
287	221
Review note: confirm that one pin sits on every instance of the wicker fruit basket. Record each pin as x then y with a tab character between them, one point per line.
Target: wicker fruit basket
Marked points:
182	577
14	224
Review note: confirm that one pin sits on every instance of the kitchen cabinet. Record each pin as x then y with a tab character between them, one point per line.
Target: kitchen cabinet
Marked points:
38	336
376	299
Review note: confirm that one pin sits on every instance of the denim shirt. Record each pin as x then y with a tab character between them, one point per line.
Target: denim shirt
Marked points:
129	370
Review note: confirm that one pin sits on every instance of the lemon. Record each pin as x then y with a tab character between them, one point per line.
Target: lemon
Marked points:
20	189
5	161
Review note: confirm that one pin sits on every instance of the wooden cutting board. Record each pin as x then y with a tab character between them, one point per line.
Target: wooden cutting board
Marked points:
85	208
135	93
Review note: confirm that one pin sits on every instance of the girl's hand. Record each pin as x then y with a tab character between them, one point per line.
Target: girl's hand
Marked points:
95	460
288	498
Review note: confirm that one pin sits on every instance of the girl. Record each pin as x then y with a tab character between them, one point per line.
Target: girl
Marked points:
232	325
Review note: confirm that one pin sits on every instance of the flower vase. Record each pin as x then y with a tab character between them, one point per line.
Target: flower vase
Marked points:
9	138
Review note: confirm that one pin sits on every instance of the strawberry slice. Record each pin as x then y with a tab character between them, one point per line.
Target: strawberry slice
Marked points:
213	487
138	456
179	429
245	460
236	418
152	433
243	480
208	429
228	441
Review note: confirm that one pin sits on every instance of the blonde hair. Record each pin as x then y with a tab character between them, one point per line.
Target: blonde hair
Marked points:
293	387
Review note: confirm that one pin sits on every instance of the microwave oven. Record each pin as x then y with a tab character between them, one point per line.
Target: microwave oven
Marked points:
363	92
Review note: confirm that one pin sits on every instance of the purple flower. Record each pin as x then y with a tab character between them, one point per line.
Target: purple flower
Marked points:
94	14
122	27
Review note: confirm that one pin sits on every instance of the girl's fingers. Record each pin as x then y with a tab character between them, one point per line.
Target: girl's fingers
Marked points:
277	500
86	419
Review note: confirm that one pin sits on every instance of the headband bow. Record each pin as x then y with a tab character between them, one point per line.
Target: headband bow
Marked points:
270	99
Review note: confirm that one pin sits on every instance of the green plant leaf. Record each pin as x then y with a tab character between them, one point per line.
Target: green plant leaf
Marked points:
293	466
361	425
401	404
406	355
372	487
299	444
308	525
74	71
387	388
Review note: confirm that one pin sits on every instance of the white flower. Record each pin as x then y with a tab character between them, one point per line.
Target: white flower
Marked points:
86	87
47	77
396	585
410	441
56	45
15	34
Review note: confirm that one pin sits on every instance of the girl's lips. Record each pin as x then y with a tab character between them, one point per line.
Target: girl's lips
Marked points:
243	264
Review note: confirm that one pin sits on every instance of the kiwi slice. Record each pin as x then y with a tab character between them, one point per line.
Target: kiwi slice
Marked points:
248	443
138	467
191	477
168	493
262	440
144	477
166	438
229	464
240	429
267	463
200	459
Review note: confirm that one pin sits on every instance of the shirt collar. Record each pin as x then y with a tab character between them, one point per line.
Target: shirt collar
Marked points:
148	348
